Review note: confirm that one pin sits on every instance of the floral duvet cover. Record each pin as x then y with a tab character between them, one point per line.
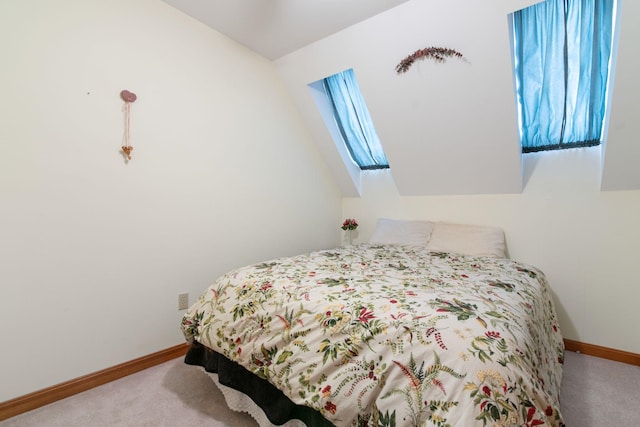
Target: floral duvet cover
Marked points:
382	335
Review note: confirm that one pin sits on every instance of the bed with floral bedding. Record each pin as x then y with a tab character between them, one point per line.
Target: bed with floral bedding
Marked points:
386	335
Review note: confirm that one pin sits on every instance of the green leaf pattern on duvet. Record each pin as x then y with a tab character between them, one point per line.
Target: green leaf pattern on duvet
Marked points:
383	335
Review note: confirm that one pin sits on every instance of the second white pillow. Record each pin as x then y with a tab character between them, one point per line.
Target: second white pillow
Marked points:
402	232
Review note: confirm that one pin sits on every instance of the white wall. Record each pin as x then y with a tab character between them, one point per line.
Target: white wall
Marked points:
583	239
620	166
94	250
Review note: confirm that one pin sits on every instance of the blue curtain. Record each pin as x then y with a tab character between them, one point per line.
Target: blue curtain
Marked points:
354	121
562	51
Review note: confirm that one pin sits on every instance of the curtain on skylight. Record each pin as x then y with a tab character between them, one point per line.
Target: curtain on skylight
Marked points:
354	121
562	51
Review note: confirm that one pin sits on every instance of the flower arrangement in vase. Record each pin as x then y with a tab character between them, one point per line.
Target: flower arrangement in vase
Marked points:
349	225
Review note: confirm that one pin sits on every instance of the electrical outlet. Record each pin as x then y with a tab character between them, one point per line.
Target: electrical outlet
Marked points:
183	301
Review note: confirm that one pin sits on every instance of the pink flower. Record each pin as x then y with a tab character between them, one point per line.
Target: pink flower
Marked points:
266	285
326	391
365	315
492	334
349	224
330	407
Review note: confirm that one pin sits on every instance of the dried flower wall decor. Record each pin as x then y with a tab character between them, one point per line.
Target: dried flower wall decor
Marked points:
438	54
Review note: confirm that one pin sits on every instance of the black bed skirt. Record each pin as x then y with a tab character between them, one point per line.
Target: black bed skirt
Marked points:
276	406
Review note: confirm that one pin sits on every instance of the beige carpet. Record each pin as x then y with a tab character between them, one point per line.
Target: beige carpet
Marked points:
595	393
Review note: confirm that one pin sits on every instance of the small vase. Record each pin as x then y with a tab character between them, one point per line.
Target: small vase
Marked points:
349	232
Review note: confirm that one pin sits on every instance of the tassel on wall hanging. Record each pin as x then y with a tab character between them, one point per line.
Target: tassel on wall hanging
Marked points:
128	98
438	54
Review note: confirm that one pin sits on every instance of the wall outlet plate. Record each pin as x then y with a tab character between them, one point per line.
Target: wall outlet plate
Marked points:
183	301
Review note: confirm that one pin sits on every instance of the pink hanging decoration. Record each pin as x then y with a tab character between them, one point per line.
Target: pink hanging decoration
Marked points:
128	98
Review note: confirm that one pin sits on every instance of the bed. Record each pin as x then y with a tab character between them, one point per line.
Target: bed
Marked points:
426	324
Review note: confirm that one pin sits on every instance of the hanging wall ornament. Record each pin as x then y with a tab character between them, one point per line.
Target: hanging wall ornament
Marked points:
128	97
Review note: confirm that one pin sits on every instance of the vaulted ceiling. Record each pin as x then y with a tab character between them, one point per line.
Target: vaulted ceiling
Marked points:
274	28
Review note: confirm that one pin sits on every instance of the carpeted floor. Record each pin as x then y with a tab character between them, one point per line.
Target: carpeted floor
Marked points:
595	393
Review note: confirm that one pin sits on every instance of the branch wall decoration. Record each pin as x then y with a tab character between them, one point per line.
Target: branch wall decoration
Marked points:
438	54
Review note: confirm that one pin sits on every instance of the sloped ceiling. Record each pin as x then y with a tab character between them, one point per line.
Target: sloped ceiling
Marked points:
446	128
274	28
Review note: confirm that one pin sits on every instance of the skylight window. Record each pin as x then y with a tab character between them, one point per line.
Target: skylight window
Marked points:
562	61
353	121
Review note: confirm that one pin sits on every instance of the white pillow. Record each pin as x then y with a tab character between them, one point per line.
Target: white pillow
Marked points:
401	232
464	239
